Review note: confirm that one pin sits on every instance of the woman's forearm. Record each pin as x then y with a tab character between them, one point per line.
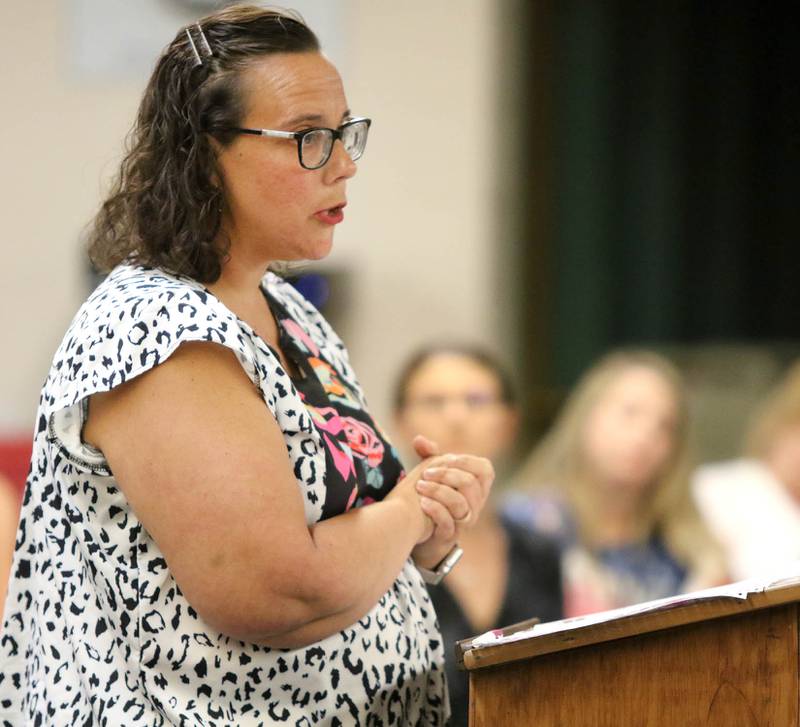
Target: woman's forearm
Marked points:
360	553
320	628
356	558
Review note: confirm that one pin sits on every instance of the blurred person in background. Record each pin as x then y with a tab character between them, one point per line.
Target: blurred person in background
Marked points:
460	397
610	482
195	544
752	504
9	516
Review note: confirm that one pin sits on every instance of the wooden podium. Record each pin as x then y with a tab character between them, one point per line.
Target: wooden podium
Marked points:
726	657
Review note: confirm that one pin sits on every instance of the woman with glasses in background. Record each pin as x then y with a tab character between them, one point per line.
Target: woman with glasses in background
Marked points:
462	398
195	544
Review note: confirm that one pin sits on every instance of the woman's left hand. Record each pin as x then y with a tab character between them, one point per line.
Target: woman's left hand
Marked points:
452	495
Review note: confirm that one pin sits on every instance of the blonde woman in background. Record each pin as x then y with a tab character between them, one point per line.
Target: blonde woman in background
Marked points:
610	482
752	504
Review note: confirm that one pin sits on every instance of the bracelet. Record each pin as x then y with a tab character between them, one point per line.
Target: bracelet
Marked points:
443	567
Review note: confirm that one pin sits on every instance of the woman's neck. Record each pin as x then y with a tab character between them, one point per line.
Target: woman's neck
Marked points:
240	278
617	516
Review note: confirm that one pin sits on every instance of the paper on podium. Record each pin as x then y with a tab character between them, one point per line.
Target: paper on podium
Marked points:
738	591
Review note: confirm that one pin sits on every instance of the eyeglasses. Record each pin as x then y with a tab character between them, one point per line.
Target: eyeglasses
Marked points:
475	401
315	146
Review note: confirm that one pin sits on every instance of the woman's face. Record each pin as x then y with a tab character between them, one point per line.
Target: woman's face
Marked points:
276	208
456	402
630	432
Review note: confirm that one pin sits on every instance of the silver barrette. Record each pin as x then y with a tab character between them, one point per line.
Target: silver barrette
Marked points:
206	48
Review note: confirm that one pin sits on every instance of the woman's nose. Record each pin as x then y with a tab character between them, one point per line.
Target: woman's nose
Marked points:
456	409
340	165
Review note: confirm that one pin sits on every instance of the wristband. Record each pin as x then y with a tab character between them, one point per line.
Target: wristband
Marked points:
434	577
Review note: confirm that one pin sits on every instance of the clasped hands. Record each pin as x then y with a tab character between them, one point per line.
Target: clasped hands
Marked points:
452	490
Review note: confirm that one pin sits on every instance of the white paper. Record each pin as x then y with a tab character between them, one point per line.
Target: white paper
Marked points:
740	591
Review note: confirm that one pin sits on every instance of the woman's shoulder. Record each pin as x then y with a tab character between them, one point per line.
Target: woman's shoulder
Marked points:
130	290
133	321
150	309
537	545
737	494
739	477
544	513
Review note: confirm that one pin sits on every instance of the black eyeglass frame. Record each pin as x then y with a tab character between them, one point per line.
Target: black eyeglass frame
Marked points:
298	136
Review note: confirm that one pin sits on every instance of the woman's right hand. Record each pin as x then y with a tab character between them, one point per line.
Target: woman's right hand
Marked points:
429	518
452	494
450	491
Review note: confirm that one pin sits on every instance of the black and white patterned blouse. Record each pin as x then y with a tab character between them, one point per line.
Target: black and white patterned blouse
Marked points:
96	631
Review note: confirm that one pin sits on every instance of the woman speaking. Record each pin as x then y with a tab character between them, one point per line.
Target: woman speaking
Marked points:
214	529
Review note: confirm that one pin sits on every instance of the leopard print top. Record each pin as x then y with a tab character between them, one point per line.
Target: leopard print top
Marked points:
96	631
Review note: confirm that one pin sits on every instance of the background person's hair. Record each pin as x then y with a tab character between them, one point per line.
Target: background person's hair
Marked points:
779	411
166	205
472	352
556	465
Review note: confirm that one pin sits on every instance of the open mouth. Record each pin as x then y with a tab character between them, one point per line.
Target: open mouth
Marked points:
332	215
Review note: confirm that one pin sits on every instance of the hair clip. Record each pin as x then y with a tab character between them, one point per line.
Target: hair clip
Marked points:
203	42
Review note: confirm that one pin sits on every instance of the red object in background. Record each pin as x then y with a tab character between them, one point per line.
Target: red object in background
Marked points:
15	458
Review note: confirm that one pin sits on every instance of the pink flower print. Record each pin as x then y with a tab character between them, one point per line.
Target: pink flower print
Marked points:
363	441
342	462
329	422
326	418
300	336
352	499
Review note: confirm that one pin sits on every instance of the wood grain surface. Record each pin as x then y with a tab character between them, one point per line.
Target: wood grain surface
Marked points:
575	634
734	671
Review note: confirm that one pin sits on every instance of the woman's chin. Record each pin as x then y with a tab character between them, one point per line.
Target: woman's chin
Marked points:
319	249
320	254
309	254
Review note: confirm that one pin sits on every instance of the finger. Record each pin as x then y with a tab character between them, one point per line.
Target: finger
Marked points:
481	467
465	482
457	505
425	447
464	522
444	527
451	476
434	461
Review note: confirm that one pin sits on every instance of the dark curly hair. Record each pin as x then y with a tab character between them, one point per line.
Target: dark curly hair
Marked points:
166	204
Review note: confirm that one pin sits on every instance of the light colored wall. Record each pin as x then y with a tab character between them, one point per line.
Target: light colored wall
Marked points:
58	139
420	231
418	238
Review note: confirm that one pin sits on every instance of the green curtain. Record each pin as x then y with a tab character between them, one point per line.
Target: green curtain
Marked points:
668	210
